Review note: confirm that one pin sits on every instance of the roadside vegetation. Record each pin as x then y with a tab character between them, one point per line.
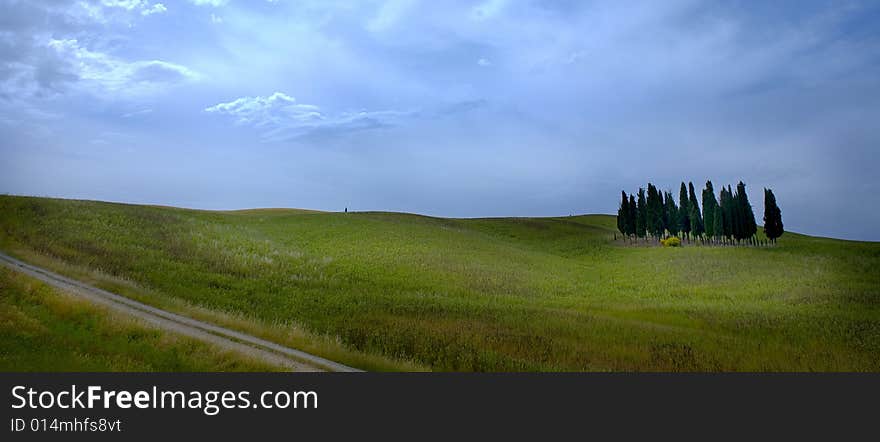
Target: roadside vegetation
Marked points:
43	329
392	291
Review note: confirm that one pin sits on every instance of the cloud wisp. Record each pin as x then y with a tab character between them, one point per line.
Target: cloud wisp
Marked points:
105	74
48	48
280	117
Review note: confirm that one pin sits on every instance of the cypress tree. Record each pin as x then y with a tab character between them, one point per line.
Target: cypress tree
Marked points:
671	215
684	223
710	204
622	213
631	219
736	215
654	222
641	221
749	226
664	220
659	226
772	216
650	201
696	222
726	212
695	216
718	222
722	204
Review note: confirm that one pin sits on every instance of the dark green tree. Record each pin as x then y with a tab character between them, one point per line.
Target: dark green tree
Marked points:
747	215
650	201
684	223
654	221
696	217
727	213
642	220
718	221
772	217
696	222
631	219
671	215
664	220
736	216
709	206
622	213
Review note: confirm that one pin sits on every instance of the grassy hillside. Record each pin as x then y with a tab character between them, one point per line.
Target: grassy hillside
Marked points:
397	291
42	329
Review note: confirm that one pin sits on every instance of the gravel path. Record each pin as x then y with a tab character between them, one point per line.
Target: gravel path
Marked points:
225	338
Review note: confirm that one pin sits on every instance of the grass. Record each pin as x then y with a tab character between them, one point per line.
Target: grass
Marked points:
392	291
42	329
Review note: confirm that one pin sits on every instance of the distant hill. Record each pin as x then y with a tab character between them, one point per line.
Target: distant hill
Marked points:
386	291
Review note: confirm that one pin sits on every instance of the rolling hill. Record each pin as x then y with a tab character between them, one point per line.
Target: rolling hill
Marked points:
395	291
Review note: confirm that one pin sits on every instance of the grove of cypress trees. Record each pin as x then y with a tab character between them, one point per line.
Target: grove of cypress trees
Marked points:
709	206
730	216
684	223
772	217
695	216
641	221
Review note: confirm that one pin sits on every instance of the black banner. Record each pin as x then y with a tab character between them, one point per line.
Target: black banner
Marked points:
418	406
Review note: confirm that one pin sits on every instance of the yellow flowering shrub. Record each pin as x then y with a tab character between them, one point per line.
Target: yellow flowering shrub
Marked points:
672	241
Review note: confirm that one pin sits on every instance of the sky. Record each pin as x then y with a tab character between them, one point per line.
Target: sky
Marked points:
452	108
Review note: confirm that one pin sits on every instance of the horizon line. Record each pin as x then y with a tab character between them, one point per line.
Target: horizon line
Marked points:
167	206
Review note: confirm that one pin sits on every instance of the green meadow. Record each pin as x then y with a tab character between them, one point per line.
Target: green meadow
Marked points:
42	329
393	291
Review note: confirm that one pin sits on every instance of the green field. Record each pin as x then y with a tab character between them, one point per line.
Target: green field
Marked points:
42	329
391	291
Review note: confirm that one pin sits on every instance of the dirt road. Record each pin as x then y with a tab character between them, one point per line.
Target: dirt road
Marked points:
225	338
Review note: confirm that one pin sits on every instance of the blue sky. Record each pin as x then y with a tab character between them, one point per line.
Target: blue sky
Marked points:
453	108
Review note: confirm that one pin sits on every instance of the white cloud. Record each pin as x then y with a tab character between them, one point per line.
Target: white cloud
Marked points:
142	6
104	73
157	8
214	3
108	11
40	58
216	19
137	113
262	110
484	62
281	117
124	4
